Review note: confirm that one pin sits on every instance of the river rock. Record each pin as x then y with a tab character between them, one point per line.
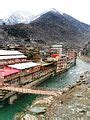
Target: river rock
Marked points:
65	89
38	109
88	113
29	117
45	101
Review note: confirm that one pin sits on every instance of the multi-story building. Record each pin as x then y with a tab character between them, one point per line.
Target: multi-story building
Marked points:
61	62
71	58
11	57
17	75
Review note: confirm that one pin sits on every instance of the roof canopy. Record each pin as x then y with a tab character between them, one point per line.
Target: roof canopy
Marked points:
8	54
22	66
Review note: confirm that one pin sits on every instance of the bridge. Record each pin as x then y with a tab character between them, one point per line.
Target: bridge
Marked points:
30	91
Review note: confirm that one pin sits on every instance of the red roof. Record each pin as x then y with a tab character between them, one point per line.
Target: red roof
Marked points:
8	71
55	55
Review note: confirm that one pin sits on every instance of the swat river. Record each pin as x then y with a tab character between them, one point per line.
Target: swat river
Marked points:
60	81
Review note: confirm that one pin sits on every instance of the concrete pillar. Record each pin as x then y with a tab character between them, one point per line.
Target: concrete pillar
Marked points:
12	99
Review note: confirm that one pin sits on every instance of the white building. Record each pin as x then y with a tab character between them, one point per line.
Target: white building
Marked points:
57	48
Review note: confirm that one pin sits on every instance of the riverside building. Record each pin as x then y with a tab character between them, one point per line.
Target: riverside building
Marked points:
17	71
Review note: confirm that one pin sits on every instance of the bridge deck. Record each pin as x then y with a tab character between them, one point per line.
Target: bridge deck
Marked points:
31	91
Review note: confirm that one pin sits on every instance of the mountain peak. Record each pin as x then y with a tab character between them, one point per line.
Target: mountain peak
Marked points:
53	10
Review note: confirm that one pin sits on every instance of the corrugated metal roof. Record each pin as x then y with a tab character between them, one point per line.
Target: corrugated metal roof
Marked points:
22	66
12	57
10	52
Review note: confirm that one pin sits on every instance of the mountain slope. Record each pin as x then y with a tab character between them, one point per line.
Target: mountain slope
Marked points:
1	21
52	27
79	25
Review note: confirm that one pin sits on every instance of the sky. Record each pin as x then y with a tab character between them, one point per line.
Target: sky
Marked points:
79	9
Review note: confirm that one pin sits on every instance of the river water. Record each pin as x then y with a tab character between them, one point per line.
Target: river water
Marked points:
60	81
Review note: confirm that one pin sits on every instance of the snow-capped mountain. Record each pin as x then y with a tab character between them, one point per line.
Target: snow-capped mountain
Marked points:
18	17
49	10
23	17
53	10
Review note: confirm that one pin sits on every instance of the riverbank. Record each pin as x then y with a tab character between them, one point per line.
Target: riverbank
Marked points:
74	101
85	58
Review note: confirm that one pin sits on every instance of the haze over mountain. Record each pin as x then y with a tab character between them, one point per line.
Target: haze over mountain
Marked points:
51	27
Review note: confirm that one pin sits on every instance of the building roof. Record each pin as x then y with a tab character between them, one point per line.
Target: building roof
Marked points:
7	71
8	54
22	66
57	46
55	55
12	57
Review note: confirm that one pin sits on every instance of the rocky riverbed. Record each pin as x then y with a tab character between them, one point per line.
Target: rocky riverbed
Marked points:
74	104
